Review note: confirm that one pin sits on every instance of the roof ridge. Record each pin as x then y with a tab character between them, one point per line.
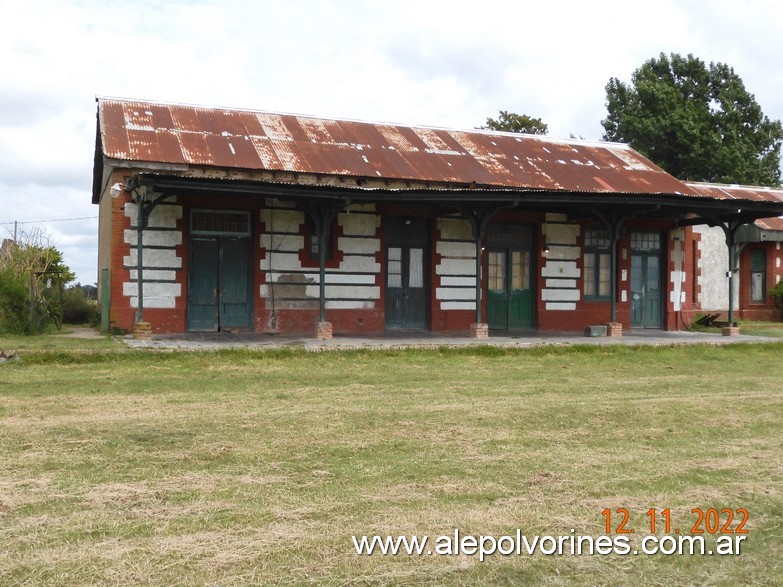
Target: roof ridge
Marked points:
542	138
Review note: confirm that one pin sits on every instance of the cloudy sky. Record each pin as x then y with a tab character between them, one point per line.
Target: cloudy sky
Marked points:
431	62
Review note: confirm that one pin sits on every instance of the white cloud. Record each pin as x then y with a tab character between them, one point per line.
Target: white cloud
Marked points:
440	63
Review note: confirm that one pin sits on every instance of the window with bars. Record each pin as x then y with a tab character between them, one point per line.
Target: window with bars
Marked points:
597	265
220	222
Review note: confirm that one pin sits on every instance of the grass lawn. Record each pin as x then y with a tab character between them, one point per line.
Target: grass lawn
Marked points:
239	467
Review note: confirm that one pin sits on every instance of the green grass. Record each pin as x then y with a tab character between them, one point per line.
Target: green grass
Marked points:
762	328
241	467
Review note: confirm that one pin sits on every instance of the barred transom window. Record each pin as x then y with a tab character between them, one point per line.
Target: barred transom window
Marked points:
217	222
646	241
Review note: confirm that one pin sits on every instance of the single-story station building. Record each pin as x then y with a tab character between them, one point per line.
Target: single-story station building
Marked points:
216	219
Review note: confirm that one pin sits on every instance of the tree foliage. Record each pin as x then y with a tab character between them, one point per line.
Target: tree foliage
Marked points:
32	273
697	122
511	122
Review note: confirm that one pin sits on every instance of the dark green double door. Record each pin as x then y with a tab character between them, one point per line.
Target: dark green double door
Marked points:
646	280
509	296
219	292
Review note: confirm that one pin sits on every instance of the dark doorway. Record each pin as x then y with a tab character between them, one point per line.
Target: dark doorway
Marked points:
406	273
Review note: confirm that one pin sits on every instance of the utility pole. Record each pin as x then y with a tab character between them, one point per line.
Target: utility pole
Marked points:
15	225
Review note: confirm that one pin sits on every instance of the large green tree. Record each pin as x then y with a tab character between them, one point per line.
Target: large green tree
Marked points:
697	122
511	122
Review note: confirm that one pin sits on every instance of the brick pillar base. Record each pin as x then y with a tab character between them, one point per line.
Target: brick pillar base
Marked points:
323	330
479	330
614	328
142	330
730	331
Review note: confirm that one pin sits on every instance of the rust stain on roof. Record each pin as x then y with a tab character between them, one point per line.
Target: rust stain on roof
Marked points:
254	140
719	191
770	223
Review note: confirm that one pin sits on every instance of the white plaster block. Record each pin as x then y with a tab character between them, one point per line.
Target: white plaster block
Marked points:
777	262
562	234
160	217
158	274
165	217
359	224
351	264
156	295
285	243
282	221
350	291
347	279
456	267
454	228
359	246
560	295
281	262
291	278
448	280
555	306
154	258
349	305
459	250
563	253
624	275
624	295
454	293
458	306
561	283
153	238
561	269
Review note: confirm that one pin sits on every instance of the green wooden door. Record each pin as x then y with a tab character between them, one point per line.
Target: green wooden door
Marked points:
406	297
203	286
646	295
497	302
234	292
219	295
509	297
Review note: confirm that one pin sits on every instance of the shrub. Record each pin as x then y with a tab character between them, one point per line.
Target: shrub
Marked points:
776	293
77	309
14	307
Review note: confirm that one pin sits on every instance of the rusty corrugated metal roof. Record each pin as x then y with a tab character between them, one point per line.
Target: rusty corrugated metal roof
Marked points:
719	191
254	140
770	223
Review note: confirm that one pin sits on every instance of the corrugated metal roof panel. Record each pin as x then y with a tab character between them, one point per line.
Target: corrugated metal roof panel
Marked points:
719	191
770	223
254	140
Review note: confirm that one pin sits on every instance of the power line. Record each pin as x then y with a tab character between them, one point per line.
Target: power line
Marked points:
43	221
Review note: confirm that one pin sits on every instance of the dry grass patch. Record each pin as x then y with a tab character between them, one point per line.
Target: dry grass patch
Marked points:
257	467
